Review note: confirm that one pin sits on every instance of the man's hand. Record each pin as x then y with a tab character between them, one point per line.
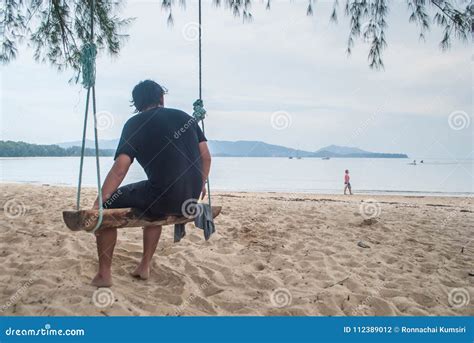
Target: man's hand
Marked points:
114	178
206	166
203	191
96	204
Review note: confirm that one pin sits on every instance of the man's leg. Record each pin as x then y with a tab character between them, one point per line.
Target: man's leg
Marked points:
106	240
151	236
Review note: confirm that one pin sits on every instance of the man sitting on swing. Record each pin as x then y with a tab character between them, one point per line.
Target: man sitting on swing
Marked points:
172	150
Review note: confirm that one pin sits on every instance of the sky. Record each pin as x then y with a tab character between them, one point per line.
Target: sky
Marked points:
284	78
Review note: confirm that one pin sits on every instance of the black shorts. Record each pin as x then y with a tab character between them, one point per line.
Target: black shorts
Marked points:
151	201
136	195
348	184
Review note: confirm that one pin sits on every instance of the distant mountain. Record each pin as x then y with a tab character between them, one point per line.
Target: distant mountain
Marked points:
340	150
343	151
260	149
253	149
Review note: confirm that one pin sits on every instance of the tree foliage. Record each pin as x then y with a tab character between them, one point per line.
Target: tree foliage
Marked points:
56	29
22	149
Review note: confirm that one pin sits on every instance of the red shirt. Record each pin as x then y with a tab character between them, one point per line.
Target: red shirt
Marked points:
347	178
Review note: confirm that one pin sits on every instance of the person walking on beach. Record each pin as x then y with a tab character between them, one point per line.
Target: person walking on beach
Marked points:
171	148
347	182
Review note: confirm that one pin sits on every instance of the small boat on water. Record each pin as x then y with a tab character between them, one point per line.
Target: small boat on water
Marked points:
326	158
298	157
290	157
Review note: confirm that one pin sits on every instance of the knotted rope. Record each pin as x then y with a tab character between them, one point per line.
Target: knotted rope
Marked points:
199	113
87	59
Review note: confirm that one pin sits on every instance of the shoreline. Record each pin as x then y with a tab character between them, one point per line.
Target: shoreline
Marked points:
428	194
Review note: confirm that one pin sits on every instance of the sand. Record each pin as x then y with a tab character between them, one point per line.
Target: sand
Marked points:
273	254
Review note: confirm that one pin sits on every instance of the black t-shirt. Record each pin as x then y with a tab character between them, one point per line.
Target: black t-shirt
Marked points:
165	142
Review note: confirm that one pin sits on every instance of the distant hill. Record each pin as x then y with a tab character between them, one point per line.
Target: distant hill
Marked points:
253	149
218	148
261	149
340	150
350	152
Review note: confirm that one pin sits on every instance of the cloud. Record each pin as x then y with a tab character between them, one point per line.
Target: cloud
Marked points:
283	60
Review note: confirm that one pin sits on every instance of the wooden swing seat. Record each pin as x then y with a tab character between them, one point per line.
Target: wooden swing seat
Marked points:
85	220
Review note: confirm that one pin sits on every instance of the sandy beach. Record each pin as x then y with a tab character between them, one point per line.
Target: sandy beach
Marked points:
272	254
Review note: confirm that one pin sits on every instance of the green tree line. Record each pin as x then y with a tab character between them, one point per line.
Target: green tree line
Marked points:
22	149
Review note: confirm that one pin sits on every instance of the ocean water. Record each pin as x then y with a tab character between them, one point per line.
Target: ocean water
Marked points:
308	175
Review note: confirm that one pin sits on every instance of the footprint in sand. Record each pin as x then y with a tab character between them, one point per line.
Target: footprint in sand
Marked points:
259	266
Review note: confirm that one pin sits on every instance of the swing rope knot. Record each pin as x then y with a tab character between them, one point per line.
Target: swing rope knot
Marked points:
87	59
199	113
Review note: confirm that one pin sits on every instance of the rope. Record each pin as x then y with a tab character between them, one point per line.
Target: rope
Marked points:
81	164
97	163
198	106
87	59
199	113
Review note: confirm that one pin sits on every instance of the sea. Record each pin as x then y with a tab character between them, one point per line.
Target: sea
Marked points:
252	174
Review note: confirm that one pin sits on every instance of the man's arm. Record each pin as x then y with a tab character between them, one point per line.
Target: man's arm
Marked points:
114	177
206	165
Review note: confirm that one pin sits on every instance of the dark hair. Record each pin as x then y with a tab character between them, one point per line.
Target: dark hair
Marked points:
147	93
347	171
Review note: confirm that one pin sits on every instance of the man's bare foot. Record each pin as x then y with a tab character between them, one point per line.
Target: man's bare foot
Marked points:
141	272
100	281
